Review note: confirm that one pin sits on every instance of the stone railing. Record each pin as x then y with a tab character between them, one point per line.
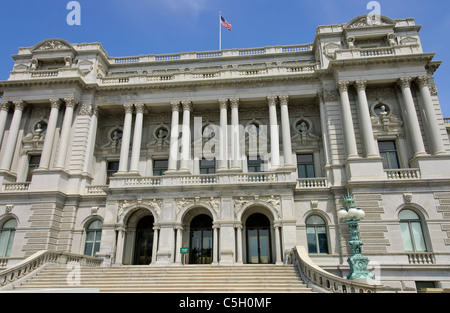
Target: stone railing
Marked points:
403	174
96	189
41	258
323	281
421	258
197	180
312	183
377	52
3	262
447	120
16	186
213	54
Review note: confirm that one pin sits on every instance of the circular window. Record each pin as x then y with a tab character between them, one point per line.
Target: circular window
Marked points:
162	133
40	127
116	134
302	126
381	110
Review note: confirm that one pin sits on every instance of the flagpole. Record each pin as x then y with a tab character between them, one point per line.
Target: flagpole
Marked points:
220	31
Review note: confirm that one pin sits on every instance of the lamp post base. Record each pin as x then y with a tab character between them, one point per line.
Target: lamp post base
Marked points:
358	267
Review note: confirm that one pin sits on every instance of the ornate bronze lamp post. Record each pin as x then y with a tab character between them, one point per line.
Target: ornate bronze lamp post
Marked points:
358	263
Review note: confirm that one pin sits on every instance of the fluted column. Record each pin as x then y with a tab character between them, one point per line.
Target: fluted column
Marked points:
365	120
186	136
50	134
435	136
278	244
120	245
178	244
91	140
10	146
137	139
4	108
274	133
411	116
126	137
223	164
324	126
174	135
216	244
347	120
239	243
235	134
65	133
286	131
155	243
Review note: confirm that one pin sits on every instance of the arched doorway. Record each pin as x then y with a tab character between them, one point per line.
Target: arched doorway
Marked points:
144	241
201	240
258	238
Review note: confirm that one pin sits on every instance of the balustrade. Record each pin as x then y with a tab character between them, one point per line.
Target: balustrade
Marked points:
403	174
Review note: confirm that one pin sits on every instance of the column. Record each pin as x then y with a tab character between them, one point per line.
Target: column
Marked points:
186	136
411	116
91	141
365	120
324	126
4	108
274	133
174	135
155	243
435	136
10	146
223	164
50	134
126	136
178	244
120	246
235	140
137	139
278	244
216	244
239	243
347	121
65	133
286	132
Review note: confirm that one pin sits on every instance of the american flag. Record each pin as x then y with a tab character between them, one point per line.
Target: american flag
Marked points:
225	23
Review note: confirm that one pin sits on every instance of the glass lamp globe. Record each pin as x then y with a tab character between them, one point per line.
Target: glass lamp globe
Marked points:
342	213
353	212
361	214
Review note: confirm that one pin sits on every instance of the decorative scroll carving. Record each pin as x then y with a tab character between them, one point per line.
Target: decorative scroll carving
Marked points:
53	45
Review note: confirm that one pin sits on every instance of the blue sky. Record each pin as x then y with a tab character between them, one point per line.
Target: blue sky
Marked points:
137	27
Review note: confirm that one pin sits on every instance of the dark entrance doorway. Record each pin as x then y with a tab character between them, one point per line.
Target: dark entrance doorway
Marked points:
144	241
201	251
258	239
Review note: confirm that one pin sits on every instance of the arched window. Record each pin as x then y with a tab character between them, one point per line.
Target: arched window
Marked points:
93	238
316	234
412	233
7	232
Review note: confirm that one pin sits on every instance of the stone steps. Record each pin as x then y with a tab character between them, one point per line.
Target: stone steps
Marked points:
189	279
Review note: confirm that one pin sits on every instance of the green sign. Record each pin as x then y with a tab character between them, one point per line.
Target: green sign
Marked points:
184	250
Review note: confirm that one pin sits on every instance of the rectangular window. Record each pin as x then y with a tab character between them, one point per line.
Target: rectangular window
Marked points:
113	167
160	167
33	163
305	166
207	166
255	165
388	151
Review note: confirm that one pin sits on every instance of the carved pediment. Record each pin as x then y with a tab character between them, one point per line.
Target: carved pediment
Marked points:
408	41
369	20
52	44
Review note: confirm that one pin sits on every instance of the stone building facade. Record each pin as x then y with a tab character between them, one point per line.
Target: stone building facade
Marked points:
239	155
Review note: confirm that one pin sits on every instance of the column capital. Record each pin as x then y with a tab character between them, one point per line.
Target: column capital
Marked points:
223	103
284	99
234	103
55	103
86	109
423	81
361	85
95	109
19	105
405	82
272	100
343	85
175	106
140	107
70	102
128	108
5	105
187	105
